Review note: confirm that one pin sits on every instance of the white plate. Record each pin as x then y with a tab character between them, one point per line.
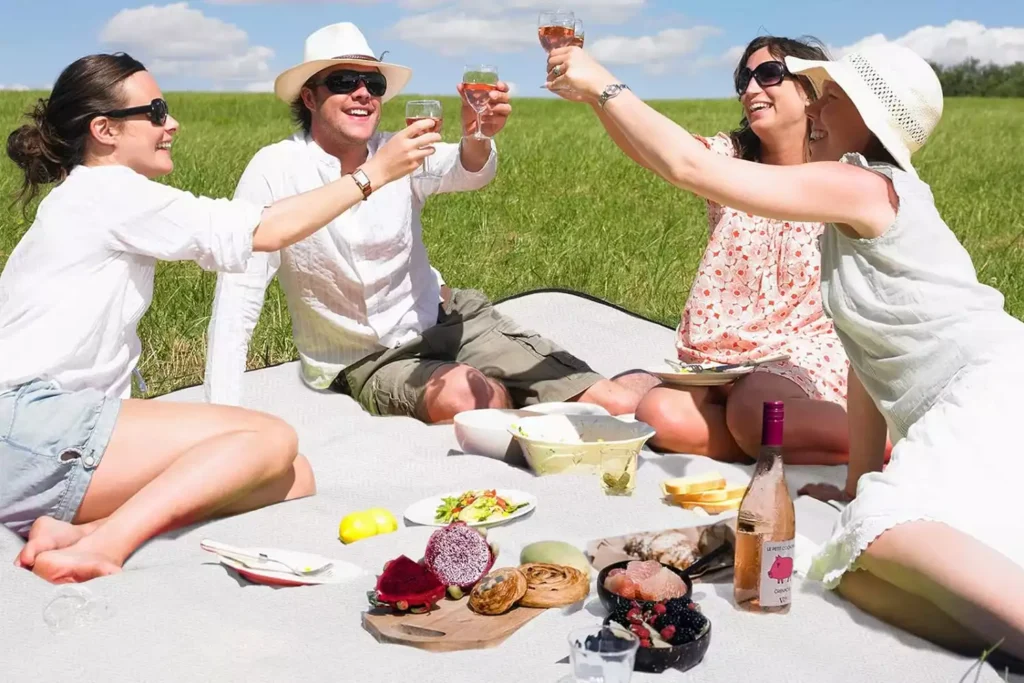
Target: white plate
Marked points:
340	573
700	379
423	511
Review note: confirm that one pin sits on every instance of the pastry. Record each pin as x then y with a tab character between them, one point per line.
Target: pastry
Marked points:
498	591
553	585
674	548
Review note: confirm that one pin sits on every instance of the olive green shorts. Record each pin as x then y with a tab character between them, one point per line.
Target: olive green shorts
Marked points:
469	331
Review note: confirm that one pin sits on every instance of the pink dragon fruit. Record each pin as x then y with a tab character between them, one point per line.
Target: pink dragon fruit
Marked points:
405	585
458	555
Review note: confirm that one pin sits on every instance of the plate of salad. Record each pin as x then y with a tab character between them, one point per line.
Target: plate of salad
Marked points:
475	507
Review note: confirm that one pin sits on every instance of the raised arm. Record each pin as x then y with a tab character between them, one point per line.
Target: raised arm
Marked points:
619	138
219	234
829	192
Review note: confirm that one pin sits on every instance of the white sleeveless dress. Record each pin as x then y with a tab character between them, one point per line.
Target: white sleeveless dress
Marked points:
944	363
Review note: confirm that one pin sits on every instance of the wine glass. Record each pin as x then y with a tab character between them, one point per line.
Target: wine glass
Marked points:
579	34
417	110
478	80
555	28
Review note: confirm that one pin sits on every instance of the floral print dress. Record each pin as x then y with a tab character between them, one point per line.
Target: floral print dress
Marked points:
758	293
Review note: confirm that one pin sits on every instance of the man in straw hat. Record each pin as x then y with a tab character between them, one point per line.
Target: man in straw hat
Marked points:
368	315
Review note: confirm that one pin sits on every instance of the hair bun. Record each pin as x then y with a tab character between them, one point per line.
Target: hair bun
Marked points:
31	147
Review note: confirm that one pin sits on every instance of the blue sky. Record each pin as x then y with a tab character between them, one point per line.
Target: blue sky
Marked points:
662	48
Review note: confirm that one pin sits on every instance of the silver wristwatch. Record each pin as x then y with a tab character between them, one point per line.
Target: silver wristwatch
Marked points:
610	92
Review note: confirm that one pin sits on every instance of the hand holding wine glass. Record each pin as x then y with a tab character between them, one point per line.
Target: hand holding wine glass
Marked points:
485	102
572	69
418	110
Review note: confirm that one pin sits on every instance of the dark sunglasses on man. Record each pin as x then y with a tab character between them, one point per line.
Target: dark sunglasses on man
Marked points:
156	110
766	74
345	82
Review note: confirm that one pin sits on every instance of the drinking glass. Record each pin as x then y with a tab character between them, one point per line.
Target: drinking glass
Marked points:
417	110
478	80
555	28
578	33
618	472
600	655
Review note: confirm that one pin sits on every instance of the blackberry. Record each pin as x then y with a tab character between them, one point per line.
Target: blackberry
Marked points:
684	635
682	617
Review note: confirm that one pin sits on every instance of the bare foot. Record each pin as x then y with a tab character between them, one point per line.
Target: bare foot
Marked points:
69	565
47	534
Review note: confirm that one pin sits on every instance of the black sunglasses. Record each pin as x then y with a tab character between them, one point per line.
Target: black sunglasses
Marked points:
766	74
156	110
345	82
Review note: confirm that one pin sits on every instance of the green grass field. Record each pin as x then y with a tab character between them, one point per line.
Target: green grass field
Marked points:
566	210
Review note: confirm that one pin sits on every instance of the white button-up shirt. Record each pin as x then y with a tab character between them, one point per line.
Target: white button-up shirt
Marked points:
361	284
76	285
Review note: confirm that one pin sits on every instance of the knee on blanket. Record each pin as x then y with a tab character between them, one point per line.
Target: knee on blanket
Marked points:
459	388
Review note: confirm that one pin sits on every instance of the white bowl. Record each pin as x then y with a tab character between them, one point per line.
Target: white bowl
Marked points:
555	444
485	432
568	408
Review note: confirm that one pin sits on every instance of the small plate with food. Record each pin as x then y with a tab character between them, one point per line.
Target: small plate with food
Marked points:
475	507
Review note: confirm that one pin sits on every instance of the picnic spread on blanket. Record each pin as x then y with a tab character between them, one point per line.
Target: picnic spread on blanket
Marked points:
451	595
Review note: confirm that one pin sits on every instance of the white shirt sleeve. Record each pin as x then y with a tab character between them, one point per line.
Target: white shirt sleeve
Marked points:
237	304
174	225
443	172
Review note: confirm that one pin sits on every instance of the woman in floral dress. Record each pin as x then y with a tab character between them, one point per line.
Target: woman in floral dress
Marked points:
756	294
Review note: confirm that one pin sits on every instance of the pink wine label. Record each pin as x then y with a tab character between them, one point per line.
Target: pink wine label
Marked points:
776	572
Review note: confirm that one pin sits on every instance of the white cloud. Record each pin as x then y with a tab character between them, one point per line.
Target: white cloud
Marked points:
513	88
654	53
15	87
955	42
460	33
260	86
176	40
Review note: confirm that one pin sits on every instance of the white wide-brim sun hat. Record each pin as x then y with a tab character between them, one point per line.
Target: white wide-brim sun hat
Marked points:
896	92
333	45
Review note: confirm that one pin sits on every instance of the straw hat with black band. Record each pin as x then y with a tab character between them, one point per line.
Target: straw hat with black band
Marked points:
338	44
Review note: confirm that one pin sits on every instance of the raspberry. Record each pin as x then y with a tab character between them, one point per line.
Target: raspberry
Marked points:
668	633
633	616
659	608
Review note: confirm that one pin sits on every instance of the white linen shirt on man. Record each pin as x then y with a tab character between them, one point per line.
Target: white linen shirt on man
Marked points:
76	285
360	285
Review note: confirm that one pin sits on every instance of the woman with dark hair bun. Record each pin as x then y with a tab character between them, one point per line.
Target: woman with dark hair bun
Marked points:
86	472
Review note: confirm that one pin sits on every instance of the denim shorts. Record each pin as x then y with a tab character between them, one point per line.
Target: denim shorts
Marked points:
51	442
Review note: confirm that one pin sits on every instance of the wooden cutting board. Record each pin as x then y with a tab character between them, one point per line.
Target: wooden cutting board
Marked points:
450	626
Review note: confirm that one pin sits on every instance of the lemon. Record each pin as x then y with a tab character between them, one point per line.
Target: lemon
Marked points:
356	526
386	522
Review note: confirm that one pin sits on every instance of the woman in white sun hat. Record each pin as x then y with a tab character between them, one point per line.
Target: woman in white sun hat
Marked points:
931	544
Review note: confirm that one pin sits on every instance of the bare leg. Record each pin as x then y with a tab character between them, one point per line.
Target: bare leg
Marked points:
979	589
455	388
816	432
637	381
169	465
908	612
690	421
613	397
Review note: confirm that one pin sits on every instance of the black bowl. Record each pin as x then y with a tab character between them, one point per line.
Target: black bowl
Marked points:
613	601
683	657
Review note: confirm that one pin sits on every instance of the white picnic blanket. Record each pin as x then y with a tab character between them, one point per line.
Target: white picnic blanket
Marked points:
177	615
